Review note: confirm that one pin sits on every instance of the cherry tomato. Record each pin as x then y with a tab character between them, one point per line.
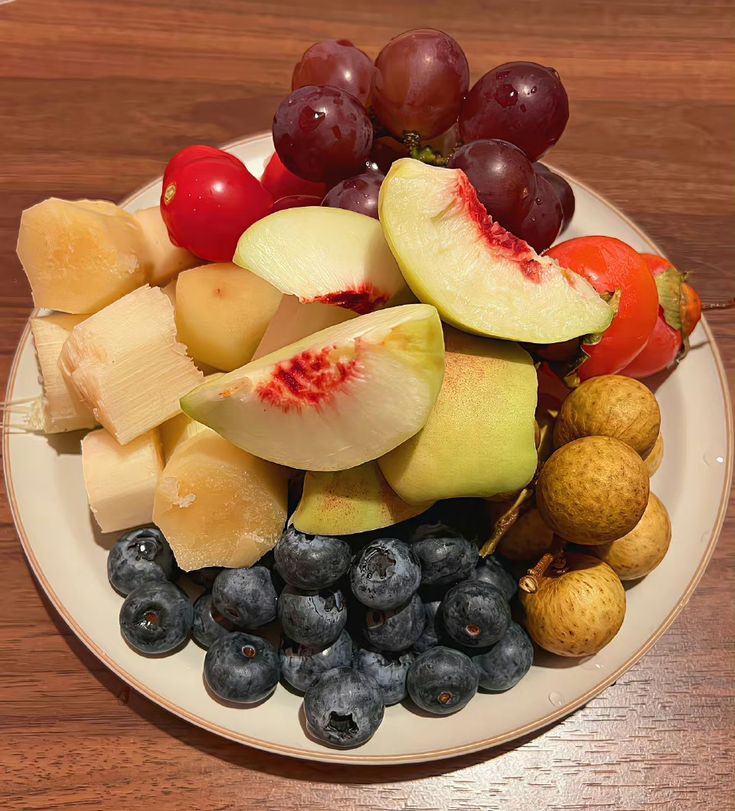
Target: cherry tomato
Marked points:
666	341
192	153
208	200
281	182
612	267
296	201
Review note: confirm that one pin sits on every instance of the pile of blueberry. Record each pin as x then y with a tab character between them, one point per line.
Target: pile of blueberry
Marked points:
426	619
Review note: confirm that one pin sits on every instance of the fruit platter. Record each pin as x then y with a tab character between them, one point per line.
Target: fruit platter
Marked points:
372	439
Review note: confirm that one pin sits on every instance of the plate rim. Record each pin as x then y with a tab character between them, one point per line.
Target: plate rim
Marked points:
344	757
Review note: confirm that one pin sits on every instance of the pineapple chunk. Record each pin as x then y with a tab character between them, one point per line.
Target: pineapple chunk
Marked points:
218	505
166	259
60	408
222	312
121	479
81	255
126	364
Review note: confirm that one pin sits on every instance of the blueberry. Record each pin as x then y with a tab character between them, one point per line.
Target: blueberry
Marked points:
241	668
311	562
314	618
493	572
204	577
442	681
156	618
474	613
140	556
245	596
445	556
395	628
385	574
209	624
343	707
302	665
507	662
389	672
430	635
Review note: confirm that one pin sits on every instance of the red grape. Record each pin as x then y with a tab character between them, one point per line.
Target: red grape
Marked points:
282	183
296	201
541	226
502	176
520	102
207	202
420	80
338	63
562	189
322	133
358	194
385	151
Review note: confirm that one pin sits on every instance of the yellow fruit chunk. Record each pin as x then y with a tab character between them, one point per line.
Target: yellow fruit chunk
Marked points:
222	312
218	505
61	407
126	364
180	428
121	479
81	255
347	501
166	259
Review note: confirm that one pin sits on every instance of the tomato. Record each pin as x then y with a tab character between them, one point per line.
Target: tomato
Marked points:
281	182
208	199
667	339
613	267
296	201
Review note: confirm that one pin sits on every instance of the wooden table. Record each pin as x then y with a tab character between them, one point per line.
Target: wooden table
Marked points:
95	95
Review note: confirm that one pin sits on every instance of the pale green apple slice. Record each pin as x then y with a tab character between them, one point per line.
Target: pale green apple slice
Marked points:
325	255
479	440
343	502
480	277
335	399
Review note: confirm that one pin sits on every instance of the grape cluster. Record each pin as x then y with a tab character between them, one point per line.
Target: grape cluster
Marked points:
348	119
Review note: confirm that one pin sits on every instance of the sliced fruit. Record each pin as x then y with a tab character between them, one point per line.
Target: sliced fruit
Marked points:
295	320
344	502
479	439
336	399
479	276
81	255
121	479
127	365
169	290
327	255
166	259
61	408
219	506
222	312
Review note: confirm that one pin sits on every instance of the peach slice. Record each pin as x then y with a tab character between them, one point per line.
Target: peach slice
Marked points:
325	255
338	398
479	276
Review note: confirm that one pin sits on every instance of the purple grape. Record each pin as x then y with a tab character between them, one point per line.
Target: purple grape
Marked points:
359	193
322	133
542	224
562	189
520	102
421	78
338	63
502	176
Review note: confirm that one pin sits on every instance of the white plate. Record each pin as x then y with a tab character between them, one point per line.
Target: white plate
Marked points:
46	494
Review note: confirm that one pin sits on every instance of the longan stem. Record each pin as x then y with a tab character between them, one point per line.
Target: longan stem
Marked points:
505	522
529	581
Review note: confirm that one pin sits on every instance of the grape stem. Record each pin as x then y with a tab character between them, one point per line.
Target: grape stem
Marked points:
719	305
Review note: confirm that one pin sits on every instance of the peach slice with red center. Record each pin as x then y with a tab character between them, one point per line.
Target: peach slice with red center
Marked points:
479	276
336	399
326	255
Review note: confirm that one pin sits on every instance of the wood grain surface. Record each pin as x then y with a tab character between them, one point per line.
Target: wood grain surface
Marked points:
95	95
